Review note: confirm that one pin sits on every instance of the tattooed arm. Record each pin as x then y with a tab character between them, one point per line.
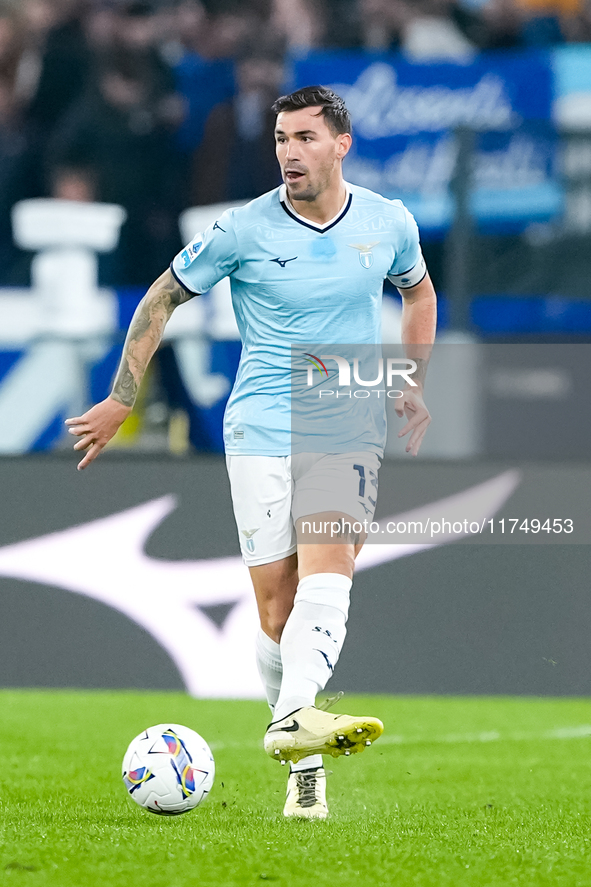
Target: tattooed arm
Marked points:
144	335
99	424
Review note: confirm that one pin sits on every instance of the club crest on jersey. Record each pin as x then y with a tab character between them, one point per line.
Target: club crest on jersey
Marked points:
365	252
190	253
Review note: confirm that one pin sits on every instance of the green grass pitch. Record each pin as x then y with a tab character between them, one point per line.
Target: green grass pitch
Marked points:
486	792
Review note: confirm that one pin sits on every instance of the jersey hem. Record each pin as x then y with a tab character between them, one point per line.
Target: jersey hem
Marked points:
378	451
269	558
180	281
230	452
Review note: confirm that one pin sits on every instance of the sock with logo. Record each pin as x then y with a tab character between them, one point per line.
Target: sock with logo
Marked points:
312	639
268	655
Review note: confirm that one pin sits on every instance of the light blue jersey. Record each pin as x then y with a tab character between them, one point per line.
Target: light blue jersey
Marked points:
297	282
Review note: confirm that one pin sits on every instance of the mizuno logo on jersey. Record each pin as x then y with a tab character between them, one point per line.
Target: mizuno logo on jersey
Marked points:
365	252
283	262
217	225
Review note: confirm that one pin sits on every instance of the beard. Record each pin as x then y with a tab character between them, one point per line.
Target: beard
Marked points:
313	188
309	193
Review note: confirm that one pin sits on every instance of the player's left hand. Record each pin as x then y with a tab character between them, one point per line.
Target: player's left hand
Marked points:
413	407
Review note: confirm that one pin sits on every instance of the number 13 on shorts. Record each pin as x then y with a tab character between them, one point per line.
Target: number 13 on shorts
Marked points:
368	486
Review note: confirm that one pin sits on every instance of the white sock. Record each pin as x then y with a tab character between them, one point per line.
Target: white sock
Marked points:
312	762
312	639
268	655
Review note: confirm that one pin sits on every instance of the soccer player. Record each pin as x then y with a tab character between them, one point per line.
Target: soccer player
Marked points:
307	263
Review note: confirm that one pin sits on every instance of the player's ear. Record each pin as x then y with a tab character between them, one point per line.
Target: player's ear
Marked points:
344	141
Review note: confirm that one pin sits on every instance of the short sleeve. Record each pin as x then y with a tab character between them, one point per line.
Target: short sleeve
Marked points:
211	256
409	266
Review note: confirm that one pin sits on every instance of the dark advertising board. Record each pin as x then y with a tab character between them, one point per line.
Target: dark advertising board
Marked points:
128	575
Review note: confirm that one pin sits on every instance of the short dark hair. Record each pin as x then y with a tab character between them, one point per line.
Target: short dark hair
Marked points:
332	106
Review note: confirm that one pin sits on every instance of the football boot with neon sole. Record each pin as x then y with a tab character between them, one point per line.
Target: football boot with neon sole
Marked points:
309	731
306	795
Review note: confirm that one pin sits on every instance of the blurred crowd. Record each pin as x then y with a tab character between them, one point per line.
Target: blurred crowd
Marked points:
162	105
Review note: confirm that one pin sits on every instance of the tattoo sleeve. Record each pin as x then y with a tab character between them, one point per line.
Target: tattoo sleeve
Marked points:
145	334
421	371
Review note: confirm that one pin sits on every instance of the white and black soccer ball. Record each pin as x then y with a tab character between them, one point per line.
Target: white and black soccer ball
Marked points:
168	769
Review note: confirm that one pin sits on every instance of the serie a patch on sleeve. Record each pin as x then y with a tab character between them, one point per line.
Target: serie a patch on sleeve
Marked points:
190	252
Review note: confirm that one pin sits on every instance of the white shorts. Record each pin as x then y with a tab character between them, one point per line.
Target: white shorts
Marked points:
270	493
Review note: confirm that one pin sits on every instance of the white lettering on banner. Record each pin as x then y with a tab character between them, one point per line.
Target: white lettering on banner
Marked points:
520	164
428	168
381	108
164	596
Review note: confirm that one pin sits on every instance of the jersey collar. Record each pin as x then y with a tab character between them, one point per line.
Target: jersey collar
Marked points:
288	207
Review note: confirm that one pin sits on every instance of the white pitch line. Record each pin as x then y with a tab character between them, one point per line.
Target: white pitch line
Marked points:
575	732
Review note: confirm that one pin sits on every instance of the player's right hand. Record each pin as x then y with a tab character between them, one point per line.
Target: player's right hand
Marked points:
96	427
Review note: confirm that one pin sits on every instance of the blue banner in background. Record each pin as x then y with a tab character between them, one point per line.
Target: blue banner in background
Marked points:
404	117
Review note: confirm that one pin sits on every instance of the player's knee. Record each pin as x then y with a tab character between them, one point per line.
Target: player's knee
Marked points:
274	614
273	625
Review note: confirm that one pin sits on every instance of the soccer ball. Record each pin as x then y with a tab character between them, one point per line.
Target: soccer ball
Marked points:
168	769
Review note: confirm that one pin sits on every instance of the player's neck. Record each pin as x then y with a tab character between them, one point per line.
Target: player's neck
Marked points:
326	206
